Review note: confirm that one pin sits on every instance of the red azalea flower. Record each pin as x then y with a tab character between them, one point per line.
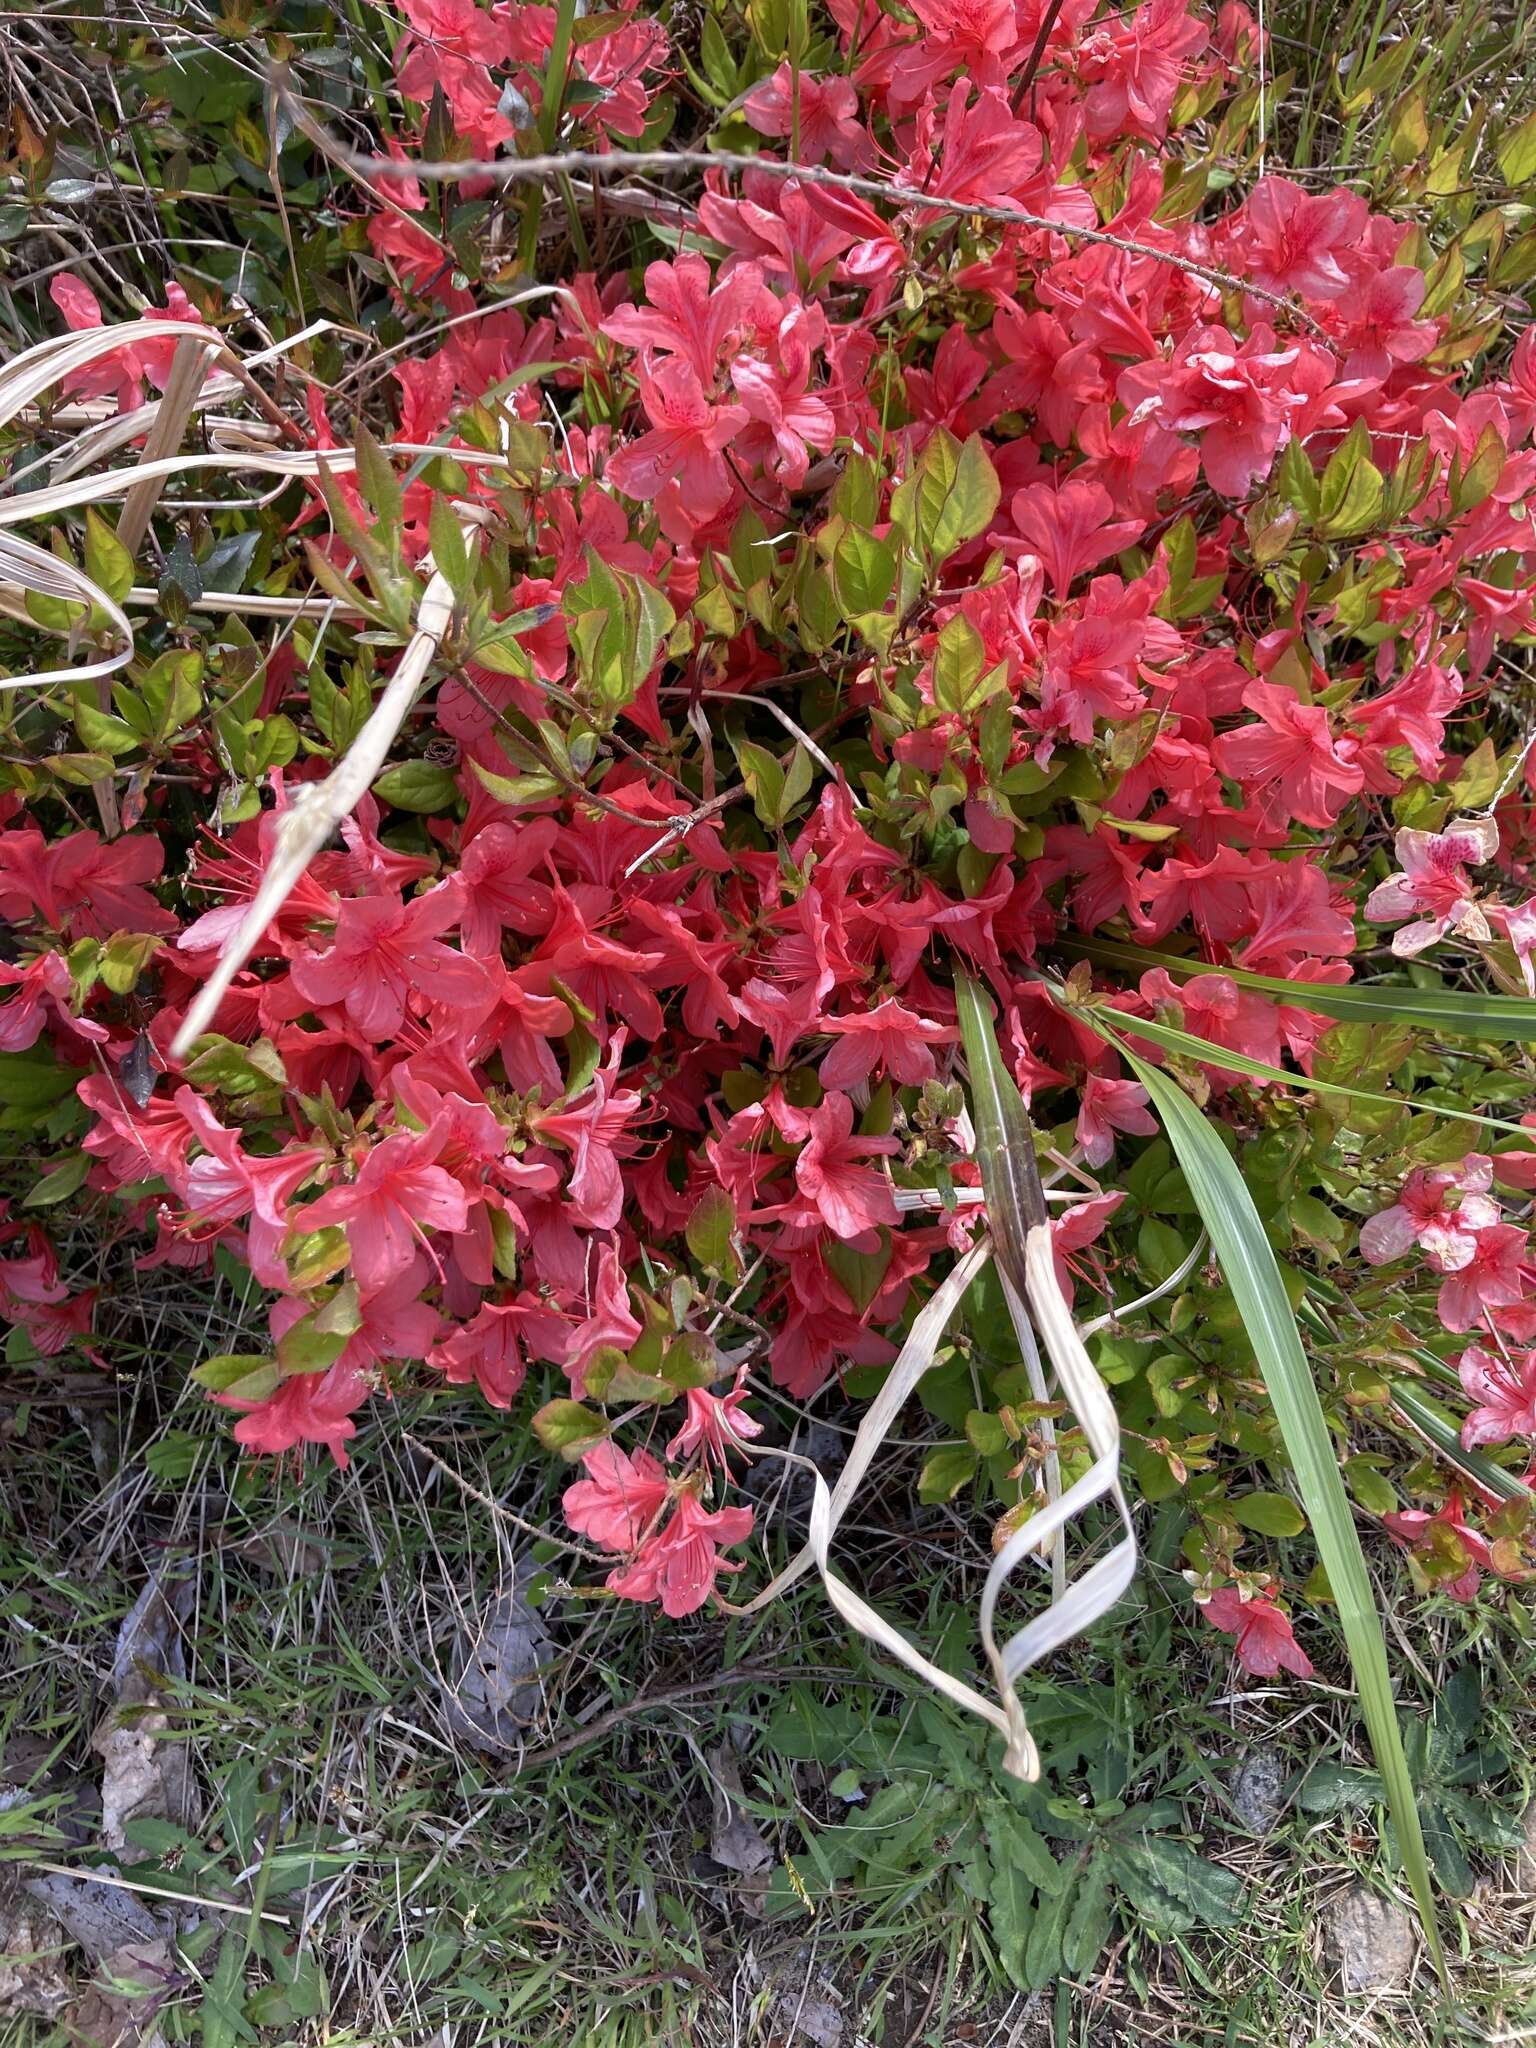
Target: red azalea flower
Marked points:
1265	1642
398	1194
383	951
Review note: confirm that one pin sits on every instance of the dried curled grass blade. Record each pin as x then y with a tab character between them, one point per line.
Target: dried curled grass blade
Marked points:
115	483
26	377
164	438
319	807
1082	1601
25	568
1026	1263
830	1504
1017	1213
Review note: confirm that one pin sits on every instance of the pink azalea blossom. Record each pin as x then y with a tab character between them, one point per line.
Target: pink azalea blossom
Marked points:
1439	1209
385	951
1445	1538
1494	1277
826	109
1109	1105
620	1499
45	993
610	1322
716	1424
1504	1388
1517	924
398	1194
679	1564
889	1039
683	448
308	1408
485	1351
1289	761
1266	1643
830	1171
1433	887
1236	397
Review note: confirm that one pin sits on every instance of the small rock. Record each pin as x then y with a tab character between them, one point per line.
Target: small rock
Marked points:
765	1478
1258	1789
100	1918
494	1691
1372	1939
1523	1867
735	1839
32	1985
817	2019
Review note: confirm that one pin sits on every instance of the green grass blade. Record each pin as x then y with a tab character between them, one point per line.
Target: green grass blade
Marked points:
1459	1012
1253	1274
1005	1144
1190	1046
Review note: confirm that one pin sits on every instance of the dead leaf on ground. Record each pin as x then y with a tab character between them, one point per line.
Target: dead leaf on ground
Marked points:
118	2008
142	1774
127	1945
492	1691
281	1547
735	1839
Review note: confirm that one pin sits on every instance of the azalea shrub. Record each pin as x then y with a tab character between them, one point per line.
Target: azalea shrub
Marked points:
1029	537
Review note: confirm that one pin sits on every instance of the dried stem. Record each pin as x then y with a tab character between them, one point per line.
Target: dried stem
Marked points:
529	169
319	807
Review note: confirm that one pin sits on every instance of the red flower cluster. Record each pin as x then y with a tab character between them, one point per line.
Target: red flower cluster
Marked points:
484	1074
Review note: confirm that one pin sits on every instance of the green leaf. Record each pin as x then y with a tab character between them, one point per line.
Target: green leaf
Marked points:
1171	1888
709	1232
950	496
1015	1843
764	778
57	1186
1089	1922
380	488
1336	1788
518	790
985	1433
247	1375
421	786
107	562
945	1472
863	573
568	1428
450	556
1268	1514
32	1082
1517	152
101	732
172	692
617	623
307	1347
1221	1195
1352	489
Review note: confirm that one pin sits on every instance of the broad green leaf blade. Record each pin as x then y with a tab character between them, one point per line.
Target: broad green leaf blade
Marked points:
1190	1046
1462	1013
1005	1145
1253	1275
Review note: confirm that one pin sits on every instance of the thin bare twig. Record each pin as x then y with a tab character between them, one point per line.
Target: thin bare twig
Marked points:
530	169
502	1514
